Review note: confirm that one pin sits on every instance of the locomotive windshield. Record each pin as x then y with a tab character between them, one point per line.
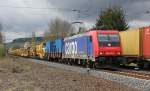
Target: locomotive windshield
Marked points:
108	40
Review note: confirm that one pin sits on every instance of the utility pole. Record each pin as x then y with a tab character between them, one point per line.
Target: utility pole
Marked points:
33	43
79	25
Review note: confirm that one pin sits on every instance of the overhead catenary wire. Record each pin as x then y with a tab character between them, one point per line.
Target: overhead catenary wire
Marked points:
78	11
41	8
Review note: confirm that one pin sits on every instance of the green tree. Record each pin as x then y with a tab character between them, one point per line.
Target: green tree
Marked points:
112	18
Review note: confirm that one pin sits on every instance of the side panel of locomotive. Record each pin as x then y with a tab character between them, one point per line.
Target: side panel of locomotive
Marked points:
78	47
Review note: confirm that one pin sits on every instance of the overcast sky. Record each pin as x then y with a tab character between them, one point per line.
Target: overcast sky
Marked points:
20	22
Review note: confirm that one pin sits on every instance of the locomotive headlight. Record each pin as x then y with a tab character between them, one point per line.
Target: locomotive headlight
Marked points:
101	53
118	53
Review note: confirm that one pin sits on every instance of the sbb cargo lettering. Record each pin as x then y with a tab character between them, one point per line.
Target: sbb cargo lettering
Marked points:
71	47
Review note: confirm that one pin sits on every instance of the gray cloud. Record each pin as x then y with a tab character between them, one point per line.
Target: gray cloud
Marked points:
25	20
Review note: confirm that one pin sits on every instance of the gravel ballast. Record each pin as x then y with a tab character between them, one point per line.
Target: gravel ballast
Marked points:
140	84
22	75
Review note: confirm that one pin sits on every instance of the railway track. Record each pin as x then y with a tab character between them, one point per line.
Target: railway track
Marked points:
131	73
125	72
141	74
128	72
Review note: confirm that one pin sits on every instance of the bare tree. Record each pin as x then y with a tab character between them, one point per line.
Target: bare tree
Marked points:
58	28
47	35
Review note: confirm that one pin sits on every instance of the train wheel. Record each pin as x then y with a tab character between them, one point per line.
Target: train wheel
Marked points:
60	60
98	63
147	65
83	62
91	64
48	59
70	62
87	64
94	65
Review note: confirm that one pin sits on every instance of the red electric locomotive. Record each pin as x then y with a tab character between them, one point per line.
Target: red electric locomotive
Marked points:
106	46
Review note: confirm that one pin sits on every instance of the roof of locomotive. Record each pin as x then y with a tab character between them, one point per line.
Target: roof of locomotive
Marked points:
86	33
75	36
105	31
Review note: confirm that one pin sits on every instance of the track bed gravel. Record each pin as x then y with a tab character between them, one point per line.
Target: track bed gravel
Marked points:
18	75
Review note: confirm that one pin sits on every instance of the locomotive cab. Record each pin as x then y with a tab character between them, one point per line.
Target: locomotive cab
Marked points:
109	44
106	45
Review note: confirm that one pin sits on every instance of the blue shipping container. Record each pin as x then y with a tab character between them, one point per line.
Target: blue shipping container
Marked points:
50	47
59	45
54	46
47	47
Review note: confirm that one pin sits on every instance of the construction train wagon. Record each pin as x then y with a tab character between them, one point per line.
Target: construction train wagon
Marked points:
40	50
136	46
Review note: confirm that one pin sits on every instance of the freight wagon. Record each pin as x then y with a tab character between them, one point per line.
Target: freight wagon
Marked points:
136	46
94	47
53	49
